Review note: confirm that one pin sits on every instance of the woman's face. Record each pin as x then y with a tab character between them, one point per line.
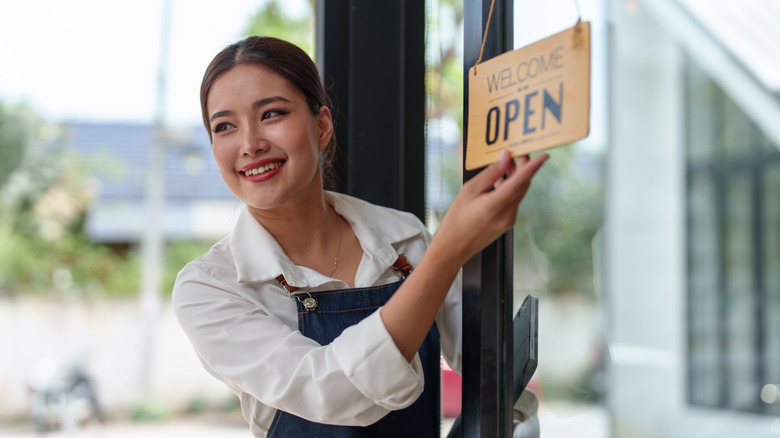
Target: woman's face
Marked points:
266	141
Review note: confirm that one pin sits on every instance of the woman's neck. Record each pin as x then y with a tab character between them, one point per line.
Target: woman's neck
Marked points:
307	231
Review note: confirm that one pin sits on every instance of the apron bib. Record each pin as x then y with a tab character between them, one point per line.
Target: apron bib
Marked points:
335	311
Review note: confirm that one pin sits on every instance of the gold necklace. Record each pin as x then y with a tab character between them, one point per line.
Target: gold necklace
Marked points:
338	249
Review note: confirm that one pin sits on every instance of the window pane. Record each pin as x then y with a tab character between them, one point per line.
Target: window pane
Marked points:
740	342
705	383
737	129
771	307
701	91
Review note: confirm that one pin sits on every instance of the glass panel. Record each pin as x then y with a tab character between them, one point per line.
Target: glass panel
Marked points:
763	143
740	354
771	307
705	384
737	129
701	123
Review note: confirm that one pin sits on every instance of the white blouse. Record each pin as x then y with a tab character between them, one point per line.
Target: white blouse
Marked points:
244	326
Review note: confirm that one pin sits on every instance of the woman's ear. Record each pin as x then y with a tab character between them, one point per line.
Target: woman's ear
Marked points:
324	127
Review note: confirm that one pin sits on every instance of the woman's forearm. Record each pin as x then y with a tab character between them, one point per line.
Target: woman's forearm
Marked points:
410	312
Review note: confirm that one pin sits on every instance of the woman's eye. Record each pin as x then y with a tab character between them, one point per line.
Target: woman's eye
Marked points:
270	114
223	127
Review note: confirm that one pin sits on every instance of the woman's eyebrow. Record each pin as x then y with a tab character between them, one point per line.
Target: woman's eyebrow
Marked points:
220	114
269	100
257	104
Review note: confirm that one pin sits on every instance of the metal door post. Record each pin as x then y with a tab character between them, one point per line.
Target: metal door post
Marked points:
487	278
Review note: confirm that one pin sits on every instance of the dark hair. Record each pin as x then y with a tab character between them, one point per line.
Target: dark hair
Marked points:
286	60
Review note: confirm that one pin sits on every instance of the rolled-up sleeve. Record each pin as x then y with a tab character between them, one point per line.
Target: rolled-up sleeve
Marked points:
355	380
366	348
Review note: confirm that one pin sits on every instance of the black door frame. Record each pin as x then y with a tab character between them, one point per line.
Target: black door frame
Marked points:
487	277
372	57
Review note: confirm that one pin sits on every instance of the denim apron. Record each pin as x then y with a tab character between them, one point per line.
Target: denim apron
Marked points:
333	311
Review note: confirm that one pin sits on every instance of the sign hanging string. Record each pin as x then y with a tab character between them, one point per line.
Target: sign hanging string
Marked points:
487	28
484	36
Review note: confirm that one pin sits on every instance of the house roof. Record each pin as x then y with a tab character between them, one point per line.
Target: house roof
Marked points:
710	32
748	29
120	154
197	203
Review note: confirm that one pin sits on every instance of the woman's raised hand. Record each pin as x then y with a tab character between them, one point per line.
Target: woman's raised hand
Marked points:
486	205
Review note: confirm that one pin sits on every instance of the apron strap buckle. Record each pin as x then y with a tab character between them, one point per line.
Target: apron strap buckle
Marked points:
403	266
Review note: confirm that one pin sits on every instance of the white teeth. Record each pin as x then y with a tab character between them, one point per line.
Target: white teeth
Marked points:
262	169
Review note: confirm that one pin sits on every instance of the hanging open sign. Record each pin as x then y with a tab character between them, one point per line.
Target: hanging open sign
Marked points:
530	99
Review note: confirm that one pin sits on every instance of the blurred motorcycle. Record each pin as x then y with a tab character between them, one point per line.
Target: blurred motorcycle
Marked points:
62	396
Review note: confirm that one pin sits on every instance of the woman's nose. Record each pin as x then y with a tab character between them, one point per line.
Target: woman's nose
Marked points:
252	142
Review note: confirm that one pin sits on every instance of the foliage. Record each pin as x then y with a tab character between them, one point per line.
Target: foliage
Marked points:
560	215
75	265
30	160
44	197
16	126
149	410
444	61
274	19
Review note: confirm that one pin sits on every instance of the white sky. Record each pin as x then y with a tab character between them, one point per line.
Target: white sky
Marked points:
98	60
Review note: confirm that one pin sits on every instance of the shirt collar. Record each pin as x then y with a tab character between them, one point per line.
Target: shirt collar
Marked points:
258	257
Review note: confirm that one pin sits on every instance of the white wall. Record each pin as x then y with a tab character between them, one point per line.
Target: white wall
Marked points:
644	226
108	336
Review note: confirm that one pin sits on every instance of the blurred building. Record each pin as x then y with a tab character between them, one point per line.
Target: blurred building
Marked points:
691	244
198	205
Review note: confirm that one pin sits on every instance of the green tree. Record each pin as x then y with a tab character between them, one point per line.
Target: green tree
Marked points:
15	128
30	162
274	19
30	154
560	216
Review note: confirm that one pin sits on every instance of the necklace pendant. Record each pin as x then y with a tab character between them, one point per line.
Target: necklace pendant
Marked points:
309	303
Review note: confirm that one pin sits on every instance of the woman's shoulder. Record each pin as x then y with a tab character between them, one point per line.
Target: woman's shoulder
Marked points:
217	262
376	214
219	253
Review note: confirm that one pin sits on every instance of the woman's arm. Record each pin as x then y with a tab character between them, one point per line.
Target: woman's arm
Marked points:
483	210
250	349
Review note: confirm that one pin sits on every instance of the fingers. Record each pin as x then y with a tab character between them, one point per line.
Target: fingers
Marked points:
506	169
490	175
529	167
517	176
512	190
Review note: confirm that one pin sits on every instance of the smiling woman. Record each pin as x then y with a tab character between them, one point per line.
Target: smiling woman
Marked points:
309	311
263	131
286	61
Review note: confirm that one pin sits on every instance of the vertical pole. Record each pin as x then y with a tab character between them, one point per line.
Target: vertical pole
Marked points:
153	240
487	277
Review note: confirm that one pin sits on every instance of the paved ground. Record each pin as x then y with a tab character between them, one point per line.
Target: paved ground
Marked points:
191	428
556	421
